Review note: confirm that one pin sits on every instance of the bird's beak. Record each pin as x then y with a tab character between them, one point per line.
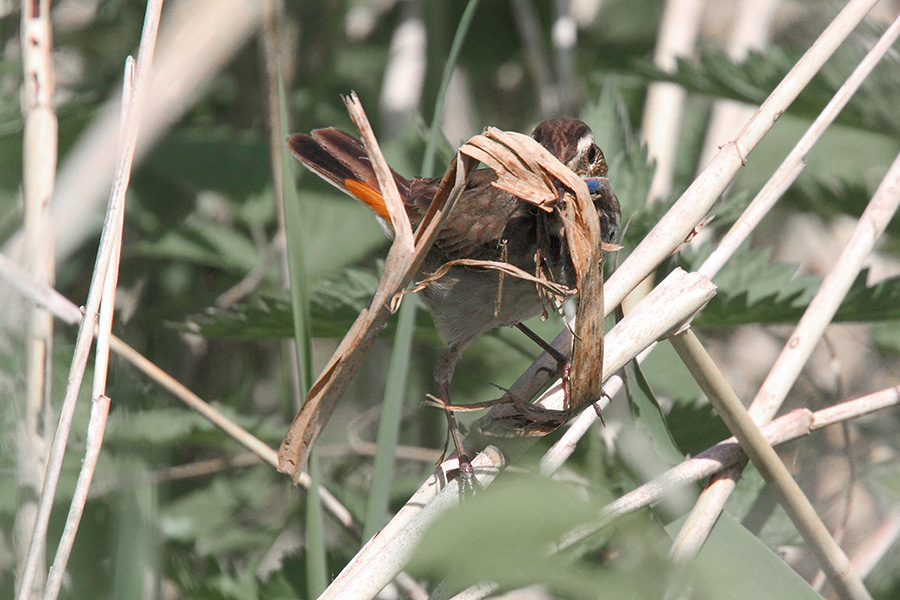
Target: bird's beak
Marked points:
607	204
597	185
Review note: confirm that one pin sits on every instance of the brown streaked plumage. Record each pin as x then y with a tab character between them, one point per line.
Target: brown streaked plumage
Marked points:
486	223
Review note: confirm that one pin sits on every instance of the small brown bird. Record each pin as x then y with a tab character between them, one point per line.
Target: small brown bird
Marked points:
486	223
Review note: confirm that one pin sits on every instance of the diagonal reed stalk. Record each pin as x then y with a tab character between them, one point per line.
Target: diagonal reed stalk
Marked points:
832	559
723	167
105	267
661	241
829	297
771	192
396	379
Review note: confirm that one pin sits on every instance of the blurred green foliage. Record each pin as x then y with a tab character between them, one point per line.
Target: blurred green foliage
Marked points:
201	216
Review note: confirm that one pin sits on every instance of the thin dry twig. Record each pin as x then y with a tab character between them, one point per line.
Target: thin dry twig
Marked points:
698	526
255	277
106	253
96	427
833	561
100	401
696	201
69	313
788	427
406	254
192	470
673	303
39	157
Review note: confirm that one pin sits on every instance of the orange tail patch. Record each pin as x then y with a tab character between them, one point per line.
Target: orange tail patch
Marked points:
368	196
341	160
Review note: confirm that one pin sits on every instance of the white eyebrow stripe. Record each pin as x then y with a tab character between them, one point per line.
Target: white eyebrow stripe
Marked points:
583	145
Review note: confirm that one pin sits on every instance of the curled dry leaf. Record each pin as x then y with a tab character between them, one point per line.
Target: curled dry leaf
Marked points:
530	172
513	174
400	267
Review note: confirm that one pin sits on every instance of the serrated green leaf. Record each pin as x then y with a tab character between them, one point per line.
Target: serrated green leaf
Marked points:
878	302
189	518
753	291
261	318
752	80
158	426
334	305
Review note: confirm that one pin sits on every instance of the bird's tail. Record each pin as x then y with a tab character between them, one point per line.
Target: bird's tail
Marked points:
341	160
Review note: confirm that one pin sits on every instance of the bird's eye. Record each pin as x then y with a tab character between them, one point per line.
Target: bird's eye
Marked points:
592	153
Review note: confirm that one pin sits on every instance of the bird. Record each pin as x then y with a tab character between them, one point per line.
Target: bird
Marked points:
486	223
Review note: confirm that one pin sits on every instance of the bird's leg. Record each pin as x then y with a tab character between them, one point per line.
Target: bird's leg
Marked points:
443	372
564	365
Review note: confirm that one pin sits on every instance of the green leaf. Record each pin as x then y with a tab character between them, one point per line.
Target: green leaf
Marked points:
133	430
339	231
201	243
334	305
188	518
886	337
754	504
264	317
731	552
878	302
297	243
504	534
753	291
695	426
154	427
648	415
753	79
